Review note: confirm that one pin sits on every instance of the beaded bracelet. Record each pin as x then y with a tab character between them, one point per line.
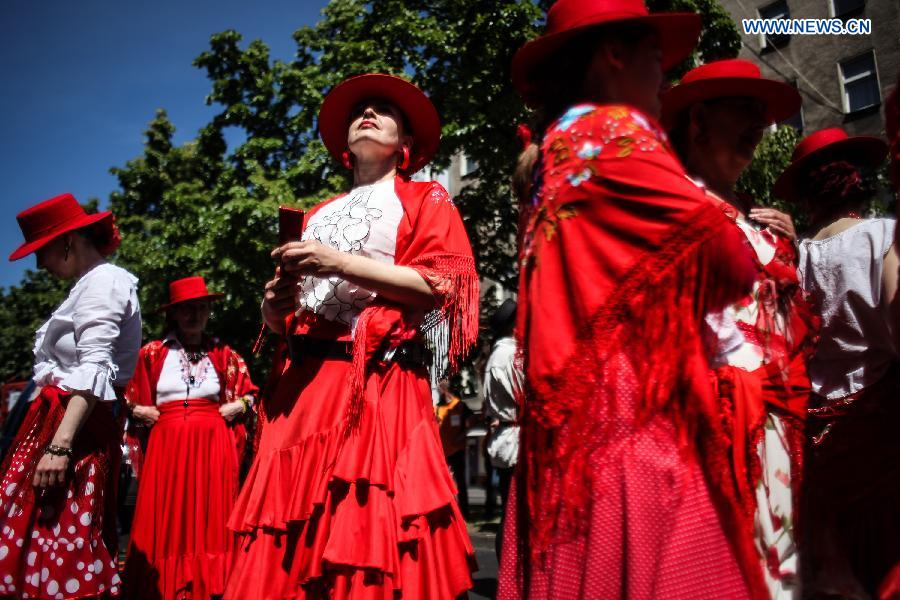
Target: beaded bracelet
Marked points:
58	450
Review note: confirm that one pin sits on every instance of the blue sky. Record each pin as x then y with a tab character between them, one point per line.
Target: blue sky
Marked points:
82	79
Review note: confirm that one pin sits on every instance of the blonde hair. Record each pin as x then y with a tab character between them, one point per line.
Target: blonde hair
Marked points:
523	175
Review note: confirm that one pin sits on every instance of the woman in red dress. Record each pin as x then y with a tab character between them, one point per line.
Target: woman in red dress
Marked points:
622	486
759	345
57	497
349	495
191	390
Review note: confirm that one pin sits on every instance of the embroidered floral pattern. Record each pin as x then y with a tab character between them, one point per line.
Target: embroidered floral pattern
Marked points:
574	151
345	226
439	194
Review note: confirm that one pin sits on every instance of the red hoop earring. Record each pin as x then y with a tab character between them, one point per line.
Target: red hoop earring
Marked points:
404	159
347	159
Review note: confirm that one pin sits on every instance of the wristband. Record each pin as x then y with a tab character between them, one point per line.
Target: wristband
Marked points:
58	450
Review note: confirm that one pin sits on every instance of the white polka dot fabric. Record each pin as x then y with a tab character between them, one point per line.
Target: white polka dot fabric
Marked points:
51	542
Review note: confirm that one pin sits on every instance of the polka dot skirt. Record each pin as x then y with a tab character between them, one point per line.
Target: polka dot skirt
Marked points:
51	543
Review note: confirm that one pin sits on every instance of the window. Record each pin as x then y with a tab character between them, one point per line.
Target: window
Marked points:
846	8
859	83
795	121
776	10
467	166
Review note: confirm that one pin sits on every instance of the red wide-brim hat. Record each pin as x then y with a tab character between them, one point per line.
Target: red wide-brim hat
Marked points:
566	19
731	78
826	145
422	117
44	222
188	288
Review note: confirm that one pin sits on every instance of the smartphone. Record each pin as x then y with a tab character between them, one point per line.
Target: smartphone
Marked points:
290	225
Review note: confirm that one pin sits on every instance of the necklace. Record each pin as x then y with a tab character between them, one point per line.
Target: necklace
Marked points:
195	357
193	367
852	214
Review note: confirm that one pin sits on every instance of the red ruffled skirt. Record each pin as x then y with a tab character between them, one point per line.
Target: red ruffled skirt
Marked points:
60	543
180	546
367	514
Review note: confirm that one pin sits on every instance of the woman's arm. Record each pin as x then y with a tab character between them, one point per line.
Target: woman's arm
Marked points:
399	284
51	469
889	281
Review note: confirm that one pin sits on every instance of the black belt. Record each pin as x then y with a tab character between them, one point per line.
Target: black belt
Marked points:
408	354
411	355
303	346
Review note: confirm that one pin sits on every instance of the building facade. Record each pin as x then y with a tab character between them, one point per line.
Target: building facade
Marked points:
843	79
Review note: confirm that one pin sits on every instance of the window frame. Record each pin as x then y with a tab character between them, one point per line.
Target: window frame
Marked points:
766	42
845	100
833	13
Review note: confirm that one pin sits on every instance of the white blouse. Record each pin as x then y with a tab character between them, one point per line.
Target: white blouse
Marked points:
175	379
364	222
503	381
726	345
91	342
842	273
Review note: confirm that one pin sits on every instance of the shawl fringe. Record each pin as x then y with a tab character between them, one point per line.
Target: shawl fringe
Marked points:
652	321
451	329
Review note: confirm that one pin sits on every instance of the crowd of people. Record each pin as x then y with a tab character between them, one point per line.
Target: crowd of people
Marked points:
687	399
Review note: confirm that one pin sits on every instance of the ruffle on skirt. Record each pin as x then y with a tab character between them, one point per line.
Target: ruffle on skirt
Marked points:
361	514
180	546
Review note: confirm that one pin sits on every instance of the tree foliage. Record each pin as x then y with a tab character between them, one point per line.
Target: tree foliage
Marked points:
22	311
206	208
772	156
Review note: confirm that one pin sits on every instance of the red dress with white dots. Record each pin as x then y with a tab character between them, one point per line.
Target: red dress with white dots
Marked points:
56	543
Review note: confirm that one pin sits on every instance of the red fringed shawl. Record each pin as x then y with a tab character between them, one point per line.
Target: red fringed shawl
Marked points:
230	368
622	256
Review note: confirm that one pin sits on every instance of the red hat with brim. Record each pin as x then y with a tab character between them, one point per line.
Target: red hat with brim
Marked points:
824	146
422	117
189	288
731	78
566	19
50	219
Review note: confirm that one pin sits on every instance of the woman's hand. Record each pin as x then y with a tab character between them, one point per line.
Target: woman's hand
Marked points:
311	257
776	220
231	410
51	471
148	415
279	300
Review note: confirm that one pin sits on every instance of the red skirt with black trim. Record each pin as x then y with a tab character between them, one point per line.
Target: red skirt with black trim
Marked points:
180	546
60	542
329	513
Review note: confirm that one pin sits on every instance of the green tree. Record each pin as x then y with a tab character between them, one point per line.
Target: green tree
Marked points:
772	156
184	211
202	208
23	308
